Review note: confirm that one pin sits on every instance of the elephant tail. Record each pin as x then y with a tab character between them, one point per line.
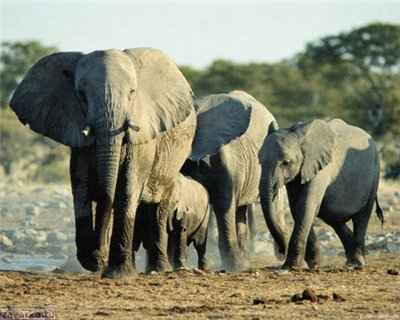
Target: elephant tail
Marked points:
379	211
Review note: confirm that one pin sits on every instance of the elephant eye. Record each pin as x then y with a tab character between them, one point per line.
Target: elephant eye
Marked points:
286	162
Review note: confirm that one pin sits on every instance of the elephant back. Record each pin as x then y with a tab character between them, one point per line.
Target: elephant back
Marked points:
223	118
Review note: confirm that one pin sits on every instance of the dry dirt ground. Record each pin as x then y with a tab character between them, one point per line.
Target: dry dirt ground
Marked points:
262	293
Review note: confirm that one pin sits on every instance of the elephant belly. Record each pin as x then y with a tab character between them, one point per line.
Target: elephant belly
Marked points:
351	189
172	149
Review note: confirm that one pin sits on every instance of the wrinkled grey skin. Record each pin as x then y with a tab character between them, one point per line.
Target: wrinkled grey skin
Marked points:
231	129
129	119
187	214
331	170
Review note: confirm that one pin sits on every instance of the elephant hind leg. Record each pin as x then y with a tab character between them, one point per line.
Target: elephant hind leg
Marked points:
360	226
227	236
201	247
313	257
241	228
347	238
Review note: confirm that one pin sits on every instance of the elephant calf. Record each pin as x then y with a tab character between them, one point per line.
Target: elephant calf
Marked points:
184	213
330	170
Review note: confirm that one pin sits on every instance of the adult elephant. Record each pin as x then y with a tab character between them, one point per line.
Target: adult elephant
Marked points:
129	119
331	170
231	129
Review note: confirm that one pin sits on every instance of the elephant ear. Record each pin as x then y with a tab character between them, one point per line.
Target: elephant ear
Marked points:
318	143
46	101
163	96
221	118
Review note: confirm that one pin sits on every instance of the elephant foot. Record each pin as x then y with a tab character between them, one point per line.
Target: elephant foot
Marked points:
94	261
355	263
294	265
181	266
121	271
313	264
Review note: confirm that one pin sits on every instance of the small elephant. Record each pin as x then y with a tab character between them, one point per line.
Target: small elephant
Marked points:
129	119
230	133
331	170
186	210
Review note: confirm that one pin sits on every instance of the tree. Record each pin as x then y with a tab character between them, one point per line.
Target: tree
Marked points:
15	60
366	60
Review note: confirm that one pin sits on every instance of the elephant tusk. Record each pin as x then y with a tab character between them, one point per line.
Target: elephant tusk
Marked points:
27	125
86	131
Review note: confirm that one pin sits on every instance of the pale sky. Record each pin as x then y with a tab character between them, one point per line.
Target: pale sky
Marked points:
192	32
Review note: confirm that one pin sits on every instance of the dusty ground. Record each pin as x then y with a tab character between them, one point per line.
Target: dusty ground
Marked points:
261	293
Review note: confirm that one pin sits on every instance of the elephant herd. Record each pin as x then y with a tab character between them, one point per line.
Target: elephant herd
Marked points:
152	163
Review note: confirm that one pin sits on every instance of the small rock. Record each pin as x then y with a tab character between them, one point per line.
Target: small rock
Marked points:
56	236
33	211
296	297
322	297
6	259
309	294
153	273
257	301
393	272
338	297
5	242
198	271
62	205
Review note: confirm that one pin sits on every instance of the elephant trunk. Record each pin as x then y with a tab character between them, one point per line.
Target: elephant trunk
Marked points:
107	164
268	195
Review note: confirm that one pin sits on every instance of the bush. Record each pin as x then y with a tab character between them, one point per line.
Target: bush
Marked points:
29	156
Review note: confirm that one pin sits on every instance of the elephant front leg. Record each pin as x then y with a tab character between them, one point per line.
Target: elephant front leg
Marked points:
84	234
121	256
181	252
227	236
313	255
158	251
305	207
241	225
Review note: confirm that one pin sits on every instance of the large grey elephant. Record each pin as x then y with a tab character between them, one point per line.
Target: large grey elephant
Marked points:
331	170
186	211
231	129
129	119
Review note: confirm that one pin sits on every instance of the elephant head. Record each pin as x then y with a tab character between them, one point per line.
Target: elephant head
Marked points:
101	99
294	154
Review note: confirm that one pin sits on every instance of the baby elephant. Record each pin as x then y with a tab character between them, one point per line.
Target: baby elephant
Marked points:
184	213
330	170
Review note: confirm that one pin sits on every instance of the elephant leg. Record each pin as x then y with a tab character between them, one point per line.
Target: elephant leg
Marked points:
252	227
200	245
227	236
347	238
305	207
313	254
181	250
241	227
83	209
360	227
158	250
171	249
121	253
